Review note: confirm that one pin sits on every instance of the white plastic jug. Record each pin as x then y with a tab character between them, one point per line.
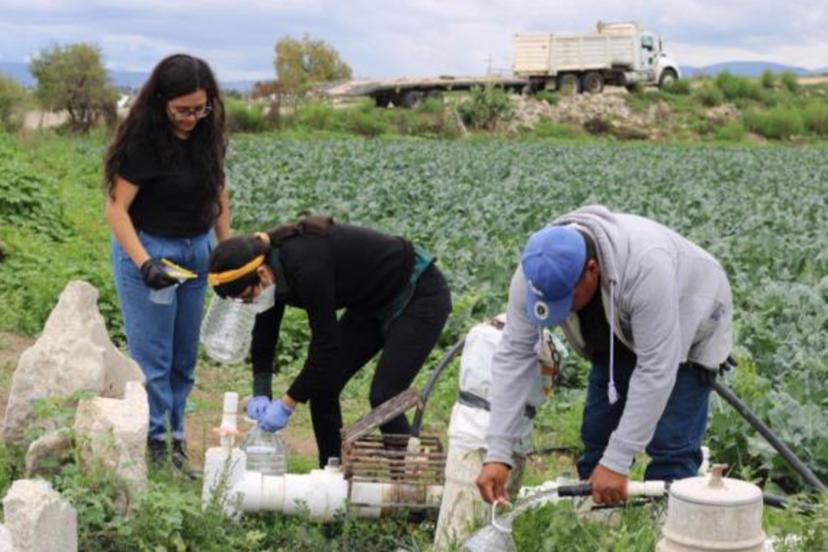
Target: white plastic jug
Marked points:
227	330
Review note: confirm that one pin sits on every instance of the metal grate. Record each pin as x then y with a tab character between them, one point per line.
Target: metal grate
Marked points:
409	464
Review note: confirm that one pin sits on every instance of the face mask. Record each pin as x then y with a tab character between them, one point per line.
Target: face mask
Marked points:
264	301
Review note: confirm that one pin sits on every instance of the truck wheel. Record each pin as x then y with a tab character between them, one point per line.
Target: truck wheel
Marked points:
668	77
593	83
382	100
412	98
568	84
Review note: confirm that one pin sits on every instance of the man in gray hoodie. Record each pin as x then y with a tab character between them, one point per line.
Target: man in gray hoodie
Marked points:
652	312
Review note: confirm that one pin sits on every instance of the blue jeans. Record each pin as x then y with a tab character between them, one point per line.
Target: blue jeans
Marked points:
675	449
163	339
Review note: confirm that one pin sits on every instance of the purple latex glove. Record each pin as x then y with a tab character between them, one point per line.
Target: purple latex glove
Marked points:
275	416
256	407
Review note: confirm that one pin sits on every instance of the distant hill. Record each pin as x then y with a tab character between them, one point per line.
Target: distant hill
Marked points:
746	68
125	80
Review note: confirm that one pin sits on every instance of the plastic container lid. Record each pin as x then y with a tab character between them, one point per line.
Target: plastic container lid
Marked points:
711	491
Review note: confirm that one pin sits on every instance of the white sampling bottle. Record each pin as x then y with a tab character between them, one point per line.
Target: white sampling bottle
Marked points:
227	330
266	452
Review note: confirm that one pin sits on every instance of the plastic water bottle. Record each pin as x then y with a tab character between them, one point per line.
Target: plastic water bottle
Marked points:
266	452
227	330
163	296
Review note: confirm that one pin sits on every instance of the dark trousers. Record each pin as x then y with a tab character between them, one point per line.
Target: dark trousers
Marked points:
405	347
675	449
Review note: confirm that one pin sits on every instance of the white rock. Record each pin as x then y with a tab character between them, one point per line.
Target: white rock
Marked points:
73	354
112	433
39	519
6	540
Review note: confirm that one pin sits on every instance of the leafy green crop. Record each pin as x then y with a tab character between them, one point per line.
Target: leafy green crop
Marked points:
761	212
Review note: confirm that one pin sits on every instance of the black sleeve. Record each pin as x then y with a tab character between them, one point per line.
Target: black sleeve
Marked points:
263	349
140	163
313	284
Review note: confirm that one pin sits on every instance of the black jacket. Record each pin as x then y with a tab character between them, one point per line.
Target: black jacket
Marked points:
351	268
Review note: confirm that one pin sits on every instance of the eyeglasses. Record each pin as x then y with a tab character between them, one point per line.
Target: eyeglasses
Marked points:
182	113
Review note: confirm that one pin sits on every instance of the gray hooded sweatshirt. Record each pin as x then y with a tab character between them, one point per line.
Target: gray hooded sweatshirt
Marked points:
664	297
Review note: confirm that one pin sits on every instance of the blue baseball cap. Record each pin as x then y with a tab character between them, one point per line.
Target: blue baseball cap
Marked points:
552	262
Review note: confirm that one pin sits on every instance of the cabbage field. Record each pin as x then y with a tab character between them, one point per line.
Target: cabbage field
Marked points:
762	212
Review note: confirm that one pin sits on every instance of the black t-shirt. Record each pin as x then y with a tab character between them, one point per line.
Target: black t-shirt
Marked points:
173	198
596	331
352	268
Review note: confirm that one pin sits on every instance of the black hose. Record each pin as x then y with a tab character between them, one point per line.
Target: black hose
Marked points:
771	438
774	501
580	489
585	489
417	424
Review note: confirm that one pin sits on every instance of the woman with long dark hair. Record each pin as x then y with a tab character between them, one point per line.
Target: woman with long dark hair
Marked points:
395	300
166	197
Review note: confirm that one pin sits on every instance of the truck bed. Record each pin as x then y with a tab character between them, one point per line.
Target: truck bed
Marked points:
549	54
440	83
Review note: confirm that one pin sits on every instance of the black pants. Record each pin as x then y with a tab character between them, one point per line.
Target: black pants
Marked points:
405	347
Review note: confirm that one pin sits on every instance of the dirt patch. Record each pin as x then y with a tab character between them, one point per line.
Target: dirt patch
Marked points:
820	79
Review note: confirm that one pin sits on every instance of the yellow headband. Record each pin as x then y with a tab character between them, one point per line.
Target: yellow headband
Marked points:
218	278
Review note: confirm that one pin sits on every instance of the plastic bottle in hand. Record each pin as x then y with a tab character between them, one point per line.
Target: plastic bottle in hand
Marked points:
227	330
266	452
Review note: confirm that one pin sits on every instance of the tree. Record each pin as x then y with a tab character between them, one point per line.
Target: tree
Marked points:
302	63
12	96
73	78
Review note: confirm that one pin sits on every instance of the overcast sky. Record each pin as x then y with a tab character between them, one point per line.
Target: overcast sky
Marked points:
405	37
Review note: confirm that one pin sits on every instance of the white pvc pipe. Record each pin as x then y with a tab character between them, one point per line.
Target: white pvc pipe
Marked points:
228	428
320	493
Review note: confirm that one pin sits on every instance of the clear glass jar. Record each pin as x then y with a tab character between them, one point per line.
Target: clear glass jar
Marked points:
266	452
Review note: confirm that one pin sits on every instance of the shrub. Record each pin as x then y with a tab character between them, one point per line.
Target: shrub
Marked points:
433	103
317	116
737	88
768	79
365	120
242	117
11	103
27	200
709	95
486	107
423	121
816	118
778	123
679	87
733	131
790	81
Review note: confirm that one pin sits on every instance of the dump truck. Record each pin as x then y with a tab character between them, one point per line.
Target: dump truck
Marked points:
619	54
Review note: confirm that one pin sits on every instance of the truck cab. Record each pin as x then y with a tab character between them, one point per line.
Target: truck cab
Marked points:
664	70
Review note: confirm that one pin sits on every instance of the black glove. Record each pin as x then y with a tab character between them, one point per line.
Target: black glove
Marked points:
154	275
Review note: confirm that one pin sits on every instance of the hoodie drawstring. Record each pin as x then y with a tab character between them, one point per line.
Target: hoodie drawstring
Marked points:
612	392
